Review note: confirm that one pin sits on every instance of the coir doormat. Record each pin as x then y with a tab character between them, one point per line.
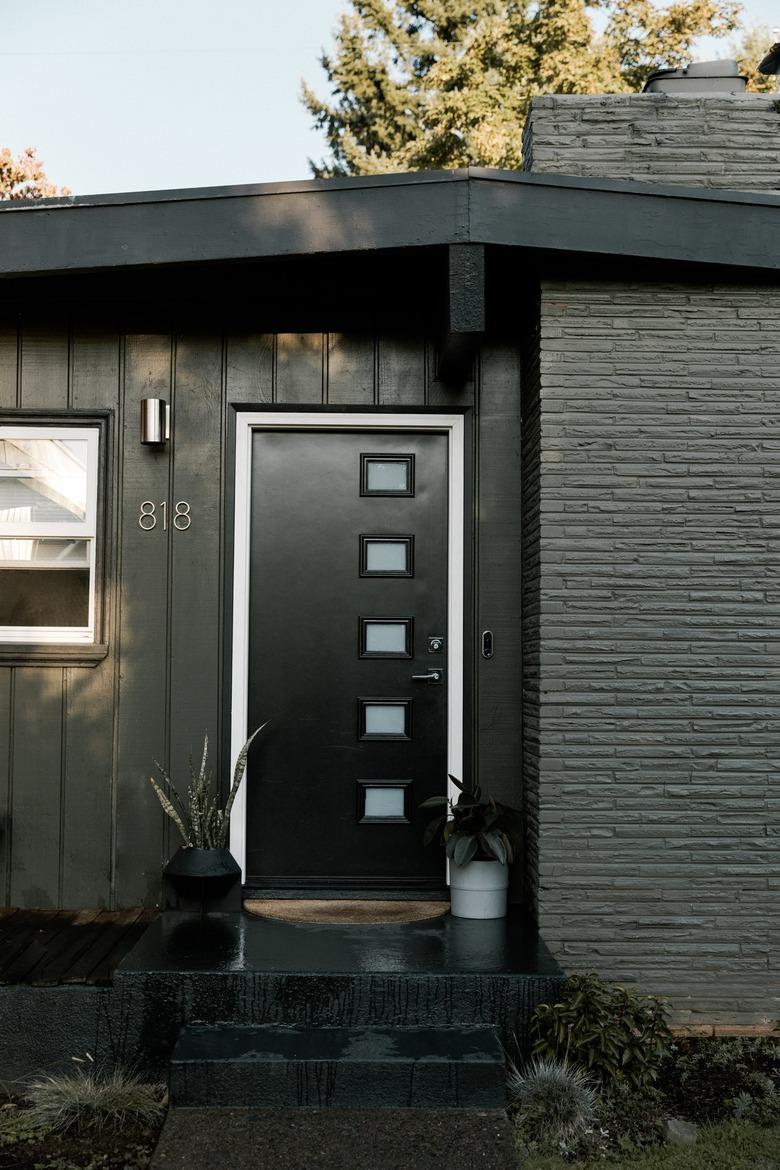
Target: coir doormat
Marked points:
335	912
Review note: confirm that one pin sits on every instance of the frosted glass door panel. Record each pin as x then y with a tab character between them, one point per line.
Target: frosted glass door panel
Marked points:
385	802
388	477
385	719
386	637
386	556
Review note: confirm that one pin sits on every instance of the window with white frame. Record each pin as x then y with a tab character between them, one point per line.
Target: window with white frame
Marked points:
48	529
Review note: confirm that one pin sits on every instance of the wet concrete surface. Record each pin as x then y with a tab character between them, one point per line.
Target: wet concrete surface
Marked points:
239	943
237	969
336	1139
430	1068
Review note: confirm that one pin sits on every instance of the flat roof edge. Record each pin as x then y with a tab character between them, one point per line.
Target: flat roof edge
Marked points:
395	179
556	213
237	191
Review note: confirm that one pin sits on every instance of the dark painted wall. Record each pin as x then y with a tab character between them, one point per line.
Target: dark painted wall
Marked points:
79	824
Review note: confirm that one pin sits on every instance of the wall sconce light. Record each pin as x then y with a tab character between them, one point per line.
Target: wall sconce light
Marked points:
155	421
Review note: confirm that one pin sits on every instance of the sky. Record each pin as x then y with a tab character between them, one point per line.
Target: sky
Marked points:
133	95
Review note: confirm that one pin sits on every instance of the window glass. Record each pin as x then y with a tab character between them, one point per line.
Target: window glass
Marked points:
43	481
43	597
16	553
48	503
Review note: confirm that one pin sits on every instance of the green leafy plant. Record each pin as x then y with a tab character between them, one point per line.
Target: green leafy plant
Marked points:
556	1102
89	1099
18	1124
617	1034
710	1079
202	824
630	1119
472	828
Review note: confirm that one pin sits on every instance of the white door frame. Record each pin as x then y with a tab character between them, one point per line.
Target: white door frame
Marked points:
453	425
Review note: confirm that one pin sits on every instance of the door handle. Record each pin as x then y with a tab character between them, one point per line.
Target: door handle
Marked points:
432	676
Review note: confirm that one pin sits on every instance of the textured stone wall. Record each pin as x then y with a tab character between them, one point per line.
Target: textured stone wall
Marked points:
652	568
727	142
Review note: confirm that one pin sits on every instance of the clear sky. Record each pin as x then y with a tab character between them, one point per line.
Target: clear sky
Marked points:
124	95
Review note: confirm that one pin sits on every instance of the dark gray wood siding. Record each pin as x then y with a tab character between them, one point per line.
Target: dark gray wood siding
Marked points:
79	824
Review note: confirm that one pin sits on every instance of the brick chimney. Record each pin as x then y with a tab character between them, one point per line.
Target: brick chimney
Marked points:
717	140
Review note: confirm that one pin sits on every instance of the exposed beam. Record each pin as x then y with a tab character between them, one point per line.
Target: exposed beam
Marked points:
465	313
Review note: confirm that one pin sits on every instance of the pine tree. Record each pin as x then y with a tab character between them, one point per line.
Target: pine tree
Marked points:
420	84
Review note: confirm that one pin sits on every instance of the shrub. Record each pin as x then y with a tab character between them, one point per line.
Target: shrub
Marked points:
711	1080
88	1099
631	1120
615	1033
556	1102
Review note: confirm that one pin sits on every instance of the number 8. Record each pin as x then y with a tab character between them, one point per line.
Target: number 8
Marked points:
147	513
182	518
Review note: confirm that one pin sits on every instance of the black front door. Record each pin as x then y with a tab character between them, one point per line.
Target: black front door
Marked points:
347	610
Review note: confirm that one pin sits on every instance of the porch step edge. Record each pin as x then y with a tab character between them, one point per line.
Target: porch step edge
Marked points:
368	1067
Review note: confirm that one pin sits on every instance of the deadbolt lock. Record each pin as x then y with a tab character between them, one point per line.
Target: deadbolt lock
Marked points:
435	644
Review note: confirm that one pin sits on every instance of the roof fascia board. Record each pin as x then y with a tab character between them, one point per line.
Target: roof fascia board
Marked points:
619	220
87	237
557	214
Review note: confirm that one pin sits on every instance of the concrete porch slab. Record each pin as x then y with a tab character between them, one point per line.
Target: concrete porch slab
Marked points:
238	969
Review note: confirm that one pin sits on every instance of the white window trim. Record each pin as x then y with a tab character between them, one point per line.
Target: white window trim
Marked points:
453	425
85	529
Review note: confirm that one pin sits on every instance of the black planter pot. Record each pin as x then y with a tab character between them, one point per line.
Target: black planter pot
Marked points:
202	880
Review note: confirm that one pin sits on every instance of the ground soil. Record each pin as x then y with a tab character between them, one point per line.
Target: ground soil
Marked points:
24	1148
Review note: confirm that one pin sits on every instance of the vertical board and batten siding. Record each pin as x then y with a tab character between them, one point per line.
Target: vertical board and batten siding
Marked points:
654	731
9	364
38	726
88	793
79	823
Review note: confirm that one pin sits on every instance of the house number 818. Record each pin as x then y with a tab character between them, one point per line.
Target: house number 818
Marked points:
148	516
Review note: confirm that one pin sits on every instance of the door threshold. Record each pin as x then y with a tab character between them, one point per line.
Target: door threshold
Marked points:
347	889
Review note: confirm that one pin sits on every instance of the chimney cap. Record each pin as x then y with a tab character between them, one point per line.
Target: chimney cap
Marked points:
771	62
698	77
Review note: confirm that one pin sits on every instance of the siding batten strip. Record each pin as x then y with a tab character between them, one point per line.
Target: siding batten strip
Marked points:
38	710
143	632
195	556
89	751
6	780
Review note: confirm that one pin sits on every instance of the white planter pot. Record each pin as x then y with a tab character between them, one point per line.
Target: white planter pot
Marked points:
478	889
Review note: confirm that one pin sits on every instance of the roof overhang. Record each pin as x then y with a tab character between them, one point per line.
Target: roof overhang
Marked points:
551	213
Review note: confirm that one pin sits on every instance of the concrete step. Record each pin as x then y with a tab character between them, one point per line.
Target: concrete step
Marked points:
368	1067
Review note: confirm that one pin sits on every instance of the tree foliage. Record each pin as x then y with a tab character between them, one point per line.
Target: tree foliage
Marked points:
417	84
23	176
754	45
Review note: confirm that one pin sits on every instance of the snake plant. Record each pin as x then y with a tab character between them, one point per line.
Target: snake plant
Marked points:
202	824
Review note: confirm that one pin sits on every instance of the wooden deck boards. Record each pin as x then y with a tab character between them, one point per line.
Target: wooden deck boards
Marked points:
44	948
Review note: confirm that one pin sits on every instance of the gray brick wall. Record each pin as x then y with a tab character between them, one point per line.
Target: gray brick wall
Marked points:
726	142
531	462
653	639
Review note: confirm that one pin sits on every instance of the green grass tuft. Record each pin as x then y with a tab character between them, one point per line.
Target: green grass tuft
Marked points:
555	1102
91	1100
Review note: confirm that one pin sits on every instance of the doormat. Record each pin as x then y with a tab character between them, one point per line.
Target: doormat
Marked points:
335	912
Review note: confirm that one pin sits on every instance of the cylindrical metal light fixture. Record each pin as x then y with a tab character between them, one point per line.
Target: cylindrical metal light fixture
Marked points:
155	421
